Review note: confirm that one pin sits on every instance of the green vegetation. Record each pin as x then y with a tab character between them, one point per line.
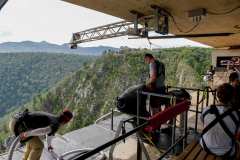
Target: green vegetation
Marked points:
24	75
91	91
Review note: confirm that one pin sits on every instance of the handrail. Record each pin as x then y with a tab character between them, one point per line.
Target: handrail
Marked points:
74	151
114	141
135	130
12	147
193	89
105	116
157	95
17	139
108	144
204	100
116	135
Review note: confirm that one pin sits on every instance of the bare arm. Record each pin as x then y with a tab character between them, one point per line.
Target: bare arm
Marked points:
153	77
41	132
38	132
153	74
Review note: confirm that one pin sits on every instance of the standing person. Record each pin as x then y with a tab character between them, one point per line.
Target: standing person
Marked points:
210	74
208	77
221	124
235	82
156	81
30	125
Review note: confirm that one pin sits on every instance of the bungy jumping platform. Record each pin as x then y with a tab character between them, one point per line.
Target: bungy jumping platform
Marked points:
118	137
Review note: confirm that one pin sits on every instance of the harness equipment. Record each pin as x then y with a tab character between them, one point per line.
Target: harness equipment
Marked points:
219	119
160	68
20	125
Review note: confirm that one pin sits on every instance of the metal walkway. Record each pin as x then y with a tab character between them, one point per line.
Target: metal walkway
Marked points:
88	137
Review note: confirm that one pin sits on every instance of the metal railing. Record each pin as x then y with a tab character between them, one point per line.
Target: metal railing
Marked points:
204	101
106	116
183	137
135	130
139	126
108	144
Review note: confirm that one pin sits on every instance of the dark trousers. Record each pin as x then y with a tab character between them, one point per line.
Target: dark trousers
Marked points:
156	102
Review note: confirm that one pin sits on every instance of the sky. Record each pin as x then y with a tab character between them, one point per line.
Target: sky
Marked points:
54	21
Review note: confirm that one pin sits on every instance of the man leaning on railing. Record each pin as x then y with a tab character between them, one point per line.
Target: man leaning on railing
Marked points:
30	125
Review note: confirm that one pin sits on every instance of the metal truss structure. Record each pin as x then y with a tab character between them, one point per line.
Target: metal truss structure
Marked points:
117	29
123	28
160	18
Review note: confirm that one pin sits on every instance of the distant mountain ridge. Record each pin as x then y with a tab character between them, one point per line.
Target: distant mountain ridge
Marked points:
30	46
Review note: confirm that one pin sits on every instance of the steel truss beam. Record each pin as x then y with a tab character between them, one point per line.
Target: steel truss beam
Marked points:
186	36
103	32
122	28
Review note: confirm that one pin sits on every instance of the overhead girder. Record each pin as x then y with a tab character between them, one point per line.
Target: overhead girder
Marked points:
139	27
219	16
102	32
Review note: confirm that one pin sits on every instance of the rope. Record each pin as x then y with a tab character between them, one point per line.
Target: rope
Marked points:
151	142
174	101
150	43
149	139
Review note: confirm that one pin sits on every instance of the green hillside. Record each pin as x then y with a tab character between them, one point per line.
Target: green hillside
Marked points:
91	91
24	75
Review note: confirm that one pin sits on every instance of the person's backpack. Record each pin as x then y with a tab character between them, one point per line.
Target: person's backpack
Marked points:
20	126
160	69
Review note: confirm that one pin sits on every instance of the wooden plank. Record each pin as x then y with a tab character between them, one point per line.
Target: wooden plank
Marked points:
210	157
202	155
187	151
194	153
219	158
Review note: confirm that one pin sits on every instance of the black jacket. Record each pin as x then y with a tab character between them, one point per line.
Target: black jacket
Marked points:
34	120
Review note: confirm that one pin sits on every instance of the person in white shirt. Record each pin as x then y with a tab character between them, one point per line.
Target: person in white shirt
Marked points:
34	124
221	124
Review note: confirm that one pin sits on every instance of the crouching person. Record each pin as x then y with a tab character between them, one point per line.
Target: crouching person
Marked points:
221	124
30	125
